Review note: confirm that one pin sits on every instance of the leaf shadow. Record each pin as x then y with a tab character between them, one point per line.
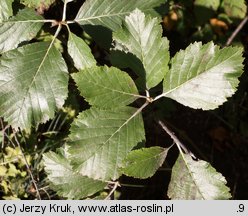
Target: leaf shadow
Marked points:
100	34
125	60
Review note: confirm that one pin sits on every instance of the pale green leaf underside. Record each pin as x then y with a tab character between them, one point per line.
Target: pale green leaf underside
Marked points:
65	181
80	52
101	139
33	83
22	27
106	87
203	76
143	163
235	9
5	9
110	13
142	36
196	180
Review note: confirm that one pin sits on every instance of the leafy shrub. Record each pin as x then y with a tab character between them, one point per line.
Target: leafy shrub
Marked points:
104	140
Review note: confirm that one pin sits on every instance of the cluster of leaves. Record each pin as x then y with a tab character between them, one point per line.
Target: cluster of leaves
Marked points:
204	20
102	139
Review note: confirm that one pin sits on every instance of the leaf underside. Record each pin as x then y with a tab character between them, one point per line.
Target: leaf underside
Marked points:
203	76
143	163
65	181
33	83
101	139
5	9
196	180
142	36
18	29
106	87
110	13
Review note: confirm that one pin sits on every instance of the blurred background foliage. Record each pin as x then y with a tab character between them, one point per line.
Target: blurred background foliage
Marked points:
219	136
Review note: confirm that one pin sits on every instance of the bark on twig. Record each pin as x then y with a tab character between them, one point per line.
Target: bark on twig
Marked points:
179	144
237	30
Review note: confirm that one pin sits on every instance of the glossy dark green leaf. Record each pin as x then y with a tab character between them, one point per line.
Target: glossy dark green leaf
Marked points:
142	36
101	139
33	84
80	52
110	13
106	87
66	182
23	27
143	163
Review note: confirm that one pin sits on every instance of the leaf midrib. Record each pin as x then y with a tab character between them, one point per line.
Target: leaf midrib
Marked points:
192	176
199	74
114	90
151	157
119	128
105	15
36	73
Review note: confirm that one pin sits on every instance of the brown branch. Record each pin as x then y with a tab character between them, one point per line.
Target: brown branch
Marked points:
27	166
115	186
237	30
178	143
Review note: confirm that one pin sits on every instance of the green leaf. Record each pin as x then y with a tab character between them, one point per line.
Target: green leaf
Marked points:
235	9
44	4
101	139
106	87
126	60
204	10
80	52
143	163
5	9
110	13
33	83
210	4
195	180
142	36
66	182
203	76
23	27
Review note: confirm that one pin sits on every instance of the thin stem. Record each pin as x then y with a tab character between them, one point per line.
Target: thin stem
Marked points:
32	21
64	11
11	142
237	30
70	21
159	96
181	147
27	166
55	35
115	186
10	161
